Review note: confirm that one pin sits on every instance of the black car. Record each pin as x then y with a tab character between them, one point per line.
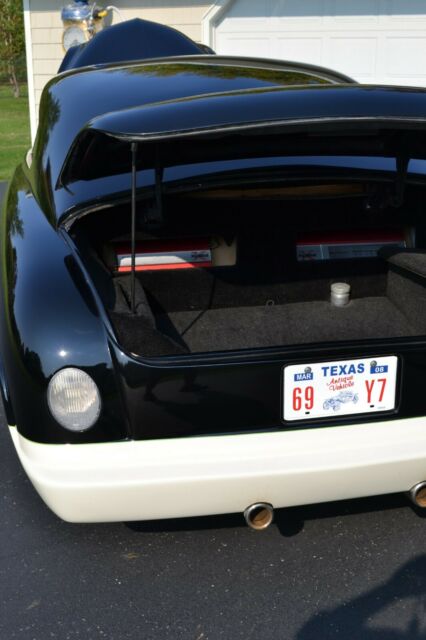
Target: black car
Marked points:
213	285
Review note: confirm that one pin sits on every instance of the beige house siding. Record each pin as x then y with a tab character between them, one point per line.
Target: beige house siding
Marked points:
46	29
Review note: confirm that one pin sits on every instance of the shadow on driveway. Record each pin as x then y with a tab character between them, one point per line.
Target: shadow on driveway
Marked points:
289	522
366	616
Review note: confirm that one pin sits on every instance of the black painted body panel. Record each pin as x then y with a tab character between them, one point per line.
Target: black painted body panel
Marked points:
73	99
130	40
243	392
343	120
49	320
51	316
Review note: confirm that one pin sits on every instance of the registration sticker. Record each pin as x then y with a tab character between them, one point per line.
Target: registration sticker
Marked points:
340	388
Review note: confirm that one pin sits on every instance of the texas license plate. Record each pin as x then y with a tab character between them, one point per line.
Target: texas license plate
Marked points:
340	388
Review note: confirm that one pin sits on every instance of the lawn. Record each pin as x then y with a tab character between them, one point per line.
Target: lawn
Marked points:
14	130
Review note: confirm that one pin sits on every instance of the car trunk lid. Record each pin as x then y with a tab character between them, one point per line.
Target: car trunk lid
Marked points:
326	120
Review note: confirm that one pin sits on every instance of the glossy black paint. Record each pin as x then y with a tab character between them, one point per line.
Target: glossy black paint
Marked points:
73	99
242	392
376	121
130	40
302	107
51	316
49	320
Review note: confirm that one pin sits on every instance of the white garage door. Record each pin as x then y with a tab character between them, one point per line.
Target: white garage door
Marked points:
382	41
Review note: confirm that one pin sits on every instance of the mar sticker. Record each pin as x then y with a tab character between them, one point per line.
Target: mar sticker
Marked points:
304	375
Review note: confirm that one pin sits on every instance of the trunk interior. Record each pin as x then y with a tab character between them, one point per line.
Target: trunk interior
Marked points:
264	261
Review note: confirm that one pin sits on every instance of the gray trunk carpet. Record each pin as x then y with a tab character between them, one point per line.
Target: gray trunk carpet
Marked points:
289	324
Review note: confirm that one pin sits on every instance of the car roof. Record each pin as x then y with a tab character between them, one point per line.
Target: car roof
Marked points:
130	40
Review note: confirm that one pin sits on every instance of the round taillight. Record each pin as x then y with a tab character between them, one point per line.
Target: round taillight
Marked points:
74	399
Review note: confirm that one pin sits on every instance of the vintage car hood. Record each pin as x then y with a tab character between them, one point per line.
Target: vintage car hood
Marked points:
325	120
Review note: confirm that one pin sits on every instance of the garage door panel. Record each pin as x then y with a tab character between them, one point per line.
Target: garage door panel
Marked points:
354	56
398	49
247	25
237	44
307	11
378	41
297	48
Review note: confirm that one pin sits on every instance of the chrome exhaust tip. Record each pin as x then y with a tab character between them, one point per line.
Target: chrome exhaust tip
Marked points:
417	494
259	515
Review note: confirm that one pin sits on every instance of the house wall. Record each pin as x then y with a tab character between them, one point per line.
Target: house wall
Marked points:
45	24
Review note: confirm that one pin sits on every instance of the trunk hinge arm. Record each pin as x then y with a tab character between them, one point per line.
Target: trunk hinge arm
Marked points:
134	149
154	213
402	163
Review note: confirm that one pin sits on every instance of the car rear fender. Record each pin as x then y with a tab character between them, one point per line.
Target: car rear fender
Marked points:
49	320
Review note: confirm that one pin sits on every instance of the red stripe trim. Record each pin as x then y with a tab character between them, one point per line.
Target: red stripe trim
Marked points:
160	246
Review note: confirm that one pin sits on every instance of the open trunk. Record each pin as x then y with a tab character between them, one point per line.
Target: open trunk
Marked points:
233	241
246	268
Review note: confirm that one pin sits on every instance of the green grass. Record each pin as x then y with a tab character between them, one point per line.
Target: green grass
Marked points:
14	130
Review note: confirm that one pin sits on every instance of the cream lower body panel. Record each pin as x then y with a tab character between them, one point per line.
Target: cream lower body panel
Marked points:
146	480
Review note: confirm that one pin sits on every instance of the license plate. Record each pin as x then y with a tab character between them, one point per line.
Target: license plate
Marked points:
340	388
